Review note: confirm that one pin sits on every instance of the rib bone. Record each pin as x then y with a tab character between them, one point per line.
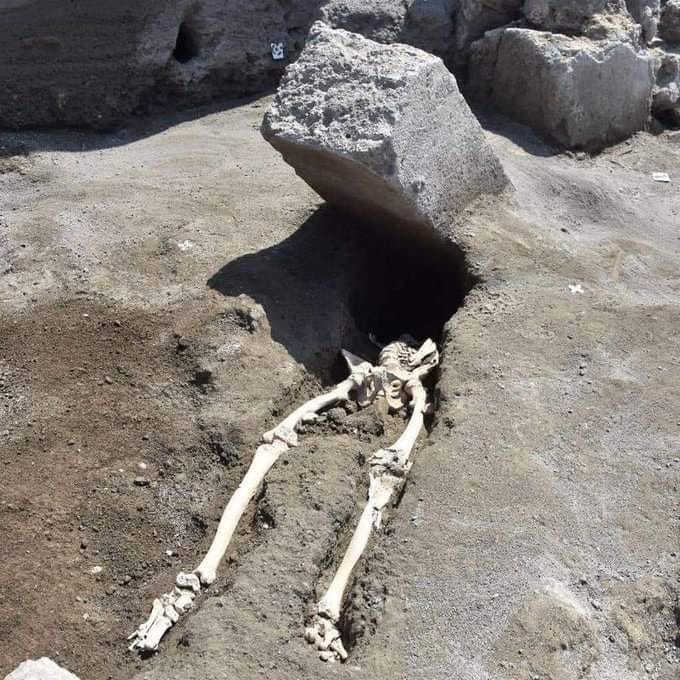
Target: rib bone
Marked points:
167	609
388	470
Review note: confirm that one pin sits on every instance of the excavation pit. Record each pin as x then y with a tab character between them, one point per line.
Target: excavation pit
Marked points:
347	279
407	284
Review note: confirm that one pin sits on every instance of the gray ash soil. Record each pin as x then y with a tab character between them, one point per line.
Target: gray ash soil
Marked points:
169	291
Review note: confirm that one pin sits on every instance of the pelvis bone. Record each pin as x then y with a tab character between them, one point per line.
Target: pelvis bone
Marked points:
397	379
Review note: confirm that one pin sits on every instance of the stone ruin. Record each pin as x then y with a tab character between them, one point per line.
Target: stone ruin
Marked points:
605	65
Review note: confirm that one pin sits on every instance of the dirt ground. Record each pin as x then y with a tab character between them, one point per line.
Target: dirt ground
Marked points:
168	291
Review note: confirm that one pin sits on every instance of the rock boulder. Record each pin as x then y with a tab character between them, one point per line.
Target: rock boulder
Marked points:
646	13
580	93
666	99
381	131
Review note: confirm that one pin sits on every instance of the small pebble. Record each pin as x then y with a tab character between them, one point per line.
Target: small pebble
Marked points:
141	481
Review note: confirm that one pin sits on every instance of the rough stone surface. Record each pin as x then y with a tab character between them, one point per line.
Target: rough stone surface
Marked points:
547	81
380	130
42	669
595	19
669	23
380	20
426	24
430	25
72	63
562	15
93	63
646	13
475	17
666	97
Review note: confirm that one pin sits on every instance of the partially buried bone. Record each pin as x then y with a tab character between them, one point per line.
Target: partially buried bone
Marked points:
167	609
400	374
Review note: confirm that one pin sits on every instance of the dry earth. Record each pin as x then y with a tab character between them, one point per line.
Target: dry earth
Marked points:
168	291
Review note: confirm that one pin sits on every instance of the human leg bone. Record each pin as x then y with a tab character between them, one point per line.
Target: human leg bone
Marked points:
388	469
167	609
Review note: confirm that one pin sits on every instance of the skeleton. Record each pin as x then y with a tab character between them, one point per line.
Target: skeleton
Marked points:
397	380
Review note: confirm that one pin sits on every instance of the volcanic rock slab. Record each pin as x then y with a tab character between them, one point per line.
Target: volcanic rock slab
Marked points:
580	93
381	131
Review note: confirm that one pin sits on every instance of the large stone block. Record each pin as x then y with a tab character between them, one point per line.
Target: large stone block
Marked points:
381	131
580	93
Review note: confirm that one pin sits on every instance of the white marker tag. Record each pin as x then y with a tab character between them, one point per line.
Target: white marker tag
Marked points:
278	52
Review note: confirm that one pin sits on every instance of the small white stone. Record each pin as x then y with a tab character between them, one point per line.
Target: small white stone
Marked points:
42	669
